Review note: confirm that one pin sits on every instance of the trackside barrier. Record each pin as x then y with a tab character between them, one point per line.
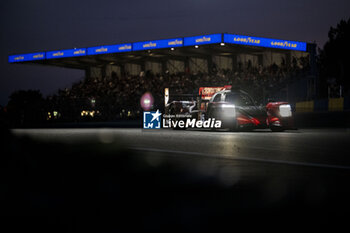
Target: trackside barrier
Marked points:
321	105
333	112
324	105
305	106
336	104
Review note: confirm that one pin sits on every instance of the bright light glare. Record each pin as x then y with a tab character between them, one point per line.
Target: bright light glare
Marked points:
222	44
229	110
196	46
146	101
285	110
228	106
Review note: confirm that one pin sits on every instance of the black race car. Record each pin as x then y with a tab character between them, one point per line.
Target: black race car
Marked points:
235	108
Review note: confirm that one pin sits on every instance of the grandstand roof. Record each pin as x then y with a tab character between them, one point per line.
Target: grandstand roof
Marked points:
177	48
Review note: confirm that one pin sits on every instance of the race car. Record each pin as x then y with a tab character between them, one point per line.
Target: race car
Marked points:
236	109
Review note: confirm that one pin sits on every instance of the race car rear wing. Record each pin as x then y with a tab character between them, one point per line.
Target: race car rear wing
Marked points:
207	92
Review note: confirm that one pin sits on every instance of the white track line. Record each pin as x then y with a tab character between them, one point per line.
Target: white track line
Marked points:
294	163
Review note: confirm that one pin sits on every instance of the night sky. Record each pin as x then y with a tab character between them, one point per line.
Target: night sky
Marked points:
43	25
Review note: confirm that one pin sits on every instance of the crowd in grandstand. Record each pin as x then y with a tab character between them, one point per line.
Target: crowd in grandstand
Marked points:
115	97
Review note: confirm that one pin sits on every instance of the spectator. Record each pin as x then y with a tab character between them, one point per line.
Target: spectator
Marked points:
119	96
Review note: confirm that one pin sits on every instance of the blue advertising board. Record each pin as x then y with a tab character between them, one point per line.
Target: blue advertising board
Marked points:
199	40
109	49
65	53
158	44
264	42
26	57
165	43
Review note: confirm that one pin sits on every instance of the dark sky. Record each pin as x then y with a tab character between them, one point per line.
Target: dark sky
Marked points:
42	25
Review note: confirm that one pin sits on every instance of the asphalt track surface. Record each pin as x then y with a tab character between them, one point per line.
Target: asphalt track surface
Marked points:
324	148
197	180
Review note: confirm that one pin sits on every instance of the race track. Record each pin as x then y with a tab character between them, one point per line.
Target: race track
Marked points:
326	148
197	181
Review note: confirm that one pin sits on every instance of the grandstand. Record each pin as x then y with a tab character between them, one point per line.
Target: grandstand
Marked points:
185	63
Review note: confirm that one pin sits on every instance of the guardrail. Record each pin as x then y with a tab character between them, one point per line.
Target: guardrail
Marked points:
333	112
324	105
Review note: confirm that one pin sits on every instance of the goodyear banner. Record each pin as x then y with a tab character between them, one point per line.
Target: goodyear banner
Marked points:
264	42
166	43
109	49
26	57
65	53
199	40
158	44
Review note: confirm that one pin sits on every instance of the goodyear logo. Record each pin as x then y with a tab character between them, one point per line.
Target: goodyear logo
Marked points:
79	51
58	54
100	50
38	56
203	39
19	58
124	47
149	45
175	42
283	44
246	40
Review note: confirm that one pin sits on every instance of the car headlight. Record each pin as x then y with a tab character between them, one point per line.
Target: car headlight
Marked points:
285	110
229	110
228	106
